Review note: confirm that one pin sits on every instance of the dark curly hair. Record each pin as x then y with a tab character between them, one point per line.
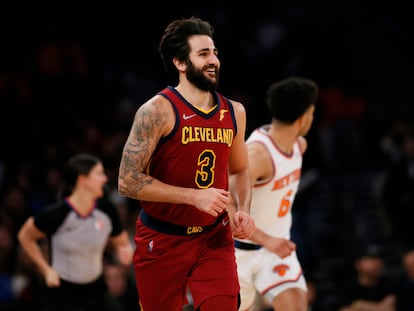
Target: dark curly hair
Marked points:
288	99
174	42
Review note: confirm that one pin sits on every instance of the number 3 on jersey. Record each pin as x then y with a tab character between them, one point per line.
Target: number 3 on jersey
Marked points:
205	174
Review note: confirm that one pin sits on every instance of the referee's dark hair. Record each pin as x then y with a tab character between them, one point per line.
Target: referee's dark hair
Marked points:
80	164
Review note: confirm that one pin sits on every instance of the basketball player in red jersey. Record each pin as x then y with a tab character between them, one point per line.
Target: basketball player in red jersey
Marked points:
185	160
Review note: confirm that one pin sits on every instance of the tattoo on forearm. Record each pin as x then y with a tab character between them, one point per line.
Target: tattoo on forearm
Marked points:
139	148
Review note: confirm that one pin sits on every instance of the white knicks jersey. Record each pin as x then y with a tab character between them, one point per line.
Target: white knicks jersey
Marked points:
272	199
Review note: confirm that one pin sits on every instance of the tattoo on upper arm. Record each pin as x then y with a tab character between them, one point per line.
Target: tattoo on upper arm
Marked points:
145	133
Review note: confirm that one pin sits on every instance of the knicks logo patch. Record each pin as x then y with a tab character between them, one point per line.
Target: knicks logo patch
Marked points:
281	269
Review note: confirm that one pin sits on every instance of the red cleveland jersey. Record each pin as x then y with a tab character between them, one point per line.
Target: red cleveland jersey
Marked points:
194	155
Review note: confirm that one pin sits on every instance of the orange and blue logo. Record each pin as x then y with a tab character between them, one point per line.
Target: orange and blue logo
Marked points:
281	269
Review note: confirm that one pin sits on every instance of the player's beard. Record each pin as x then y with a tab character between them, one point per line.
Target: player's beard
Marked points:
198	78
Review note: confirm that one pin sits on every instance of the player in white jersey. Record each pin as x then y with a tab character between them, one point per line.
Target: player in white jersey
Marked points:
267	262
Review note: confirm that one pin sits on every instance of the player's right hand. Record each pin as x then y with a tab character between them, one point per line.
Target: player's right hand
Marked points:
280	246
212	201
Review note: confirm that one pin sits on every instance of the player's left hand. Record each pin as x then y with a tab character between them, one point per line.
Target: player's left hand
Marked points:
243	225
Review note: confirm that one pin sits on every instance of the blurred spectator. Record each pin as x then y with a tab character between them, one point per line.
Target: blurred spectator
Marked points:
391	141
14	208
27	283
398	193
120	287
371	288
340	129
7	266
406	291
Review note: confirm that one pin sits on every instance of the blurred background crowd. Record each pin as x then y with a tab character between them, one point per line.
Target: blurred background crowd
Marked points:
72	75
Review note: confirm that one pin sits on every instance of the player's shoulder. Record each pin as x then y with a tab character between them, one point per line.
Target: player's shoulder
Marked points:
155	107
237	107
158	101
303	144
257	147
236	104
